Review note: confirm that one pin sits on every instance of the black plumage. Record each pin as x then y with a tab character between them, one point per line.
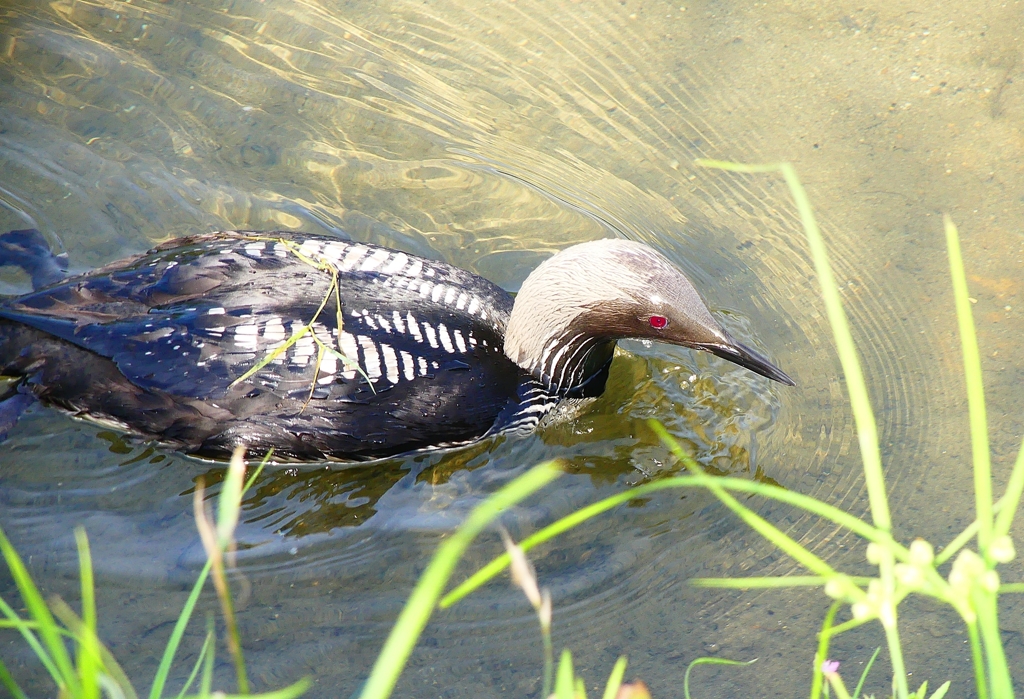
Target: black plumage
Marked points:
309	345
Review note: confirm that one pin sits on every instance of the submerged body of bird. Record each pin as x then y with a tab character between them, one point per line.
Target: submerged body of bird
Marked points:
318	347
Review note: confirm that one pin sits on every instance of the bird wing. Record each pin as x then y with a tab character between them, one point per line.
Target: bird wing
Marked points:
222	318
157	316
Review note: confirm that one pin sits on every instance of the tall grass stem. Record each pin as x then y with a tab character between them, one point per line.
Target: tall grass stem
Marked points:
419	607
975	390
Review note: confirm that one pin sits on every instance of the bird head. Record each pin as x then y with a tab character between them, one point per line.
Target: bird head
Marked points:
575	305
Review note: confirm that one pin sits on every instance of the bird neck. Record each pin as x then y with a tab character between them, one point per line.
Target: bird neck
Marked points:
561	328
566	359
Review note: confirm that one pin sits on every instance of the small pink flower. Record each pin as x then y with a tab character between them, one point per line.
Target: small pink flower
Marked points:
830	667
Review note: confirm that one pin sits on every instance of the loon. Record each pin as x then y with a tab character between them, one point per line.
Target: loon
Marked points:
322	348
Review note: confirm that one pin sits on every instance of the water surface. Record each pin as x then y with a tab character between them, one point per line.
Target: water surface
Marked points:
490	135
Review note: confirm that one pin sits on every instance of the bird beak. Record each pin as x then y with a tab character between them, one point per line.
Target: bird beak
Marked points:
738	353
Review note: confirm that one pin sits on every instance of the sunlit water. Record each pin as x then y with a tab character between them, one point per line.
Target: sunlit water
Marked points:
489	135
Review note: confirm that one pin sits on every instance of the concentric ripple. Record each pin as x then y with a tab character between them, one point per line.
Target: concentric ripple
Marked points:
487	135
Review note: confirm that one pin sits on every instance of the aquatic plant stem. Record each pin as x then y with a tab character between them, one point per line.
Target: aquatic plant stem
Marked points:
89	661
975	391
220	583
843	519
611	688
864	418
176	634
549	663
421	603
860	404
51	651
986	604
1007	505
824	638
864	674
985	601
977	660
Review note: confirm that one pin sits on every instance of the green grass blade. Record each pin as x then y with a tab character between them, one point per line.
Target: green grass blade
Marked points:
207	646
834	514
160	679
104	664
88	643
611	689
16	692
977	660
206	681
941	691
730	166
289	692
564	677
847	625
821	655
986	605
26	629
769	531
772	533
110	689
1010	588
273	354
975	389
117	673
860	403
864	675
709	661
767	583
957	543
229	501
1011	498
420	605
552	530
48	630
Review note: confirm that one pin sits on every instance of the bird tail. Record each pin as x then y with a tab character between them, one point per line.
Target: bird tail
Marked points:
29	250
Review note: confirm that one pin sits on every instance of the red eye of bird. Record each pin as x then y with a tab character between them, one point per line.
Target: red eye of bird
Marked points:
658	322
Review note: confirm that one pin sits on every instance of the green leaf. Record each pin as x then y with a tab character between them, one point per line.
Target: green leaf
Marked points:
273	354
769	531
824	638
8	681
421	602
774	492
65	676
208	643
615	679
564	676
164	668
103	663
1011	498
975	388
860	403
88	643
864	674
769	582
289	692
709	661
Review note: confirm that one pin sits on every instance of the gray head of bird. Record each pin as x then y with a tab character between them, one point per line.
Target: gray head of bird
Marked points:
575	305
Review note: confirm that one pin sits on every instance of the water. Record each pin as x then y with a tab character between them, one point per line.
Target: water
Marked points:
490	135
